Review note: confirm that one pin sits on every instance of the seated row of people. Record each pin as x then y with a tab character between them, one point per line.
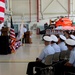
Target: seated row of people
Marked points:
51	47
67	67
60	47
41	58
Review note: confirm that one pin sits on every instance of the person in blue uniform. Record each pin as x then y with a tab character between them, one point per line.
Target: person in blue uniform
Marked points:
61	43
53	43
41	59
72	37
67	65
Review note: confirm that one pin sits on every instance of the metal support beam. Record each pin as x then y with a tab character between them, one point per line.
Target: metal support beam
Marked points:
62	6
68	8
71	7
41	9
48	5
30	9
37	10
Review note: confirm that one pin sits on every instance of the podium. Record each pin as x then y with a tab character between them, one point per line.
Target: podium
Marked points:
4	31
28	37
4	45
4	41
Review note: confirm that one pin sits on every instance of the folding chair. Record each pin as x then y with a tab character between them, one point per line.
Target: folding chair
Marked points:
62	55
67	54
56	57
48	60
48	63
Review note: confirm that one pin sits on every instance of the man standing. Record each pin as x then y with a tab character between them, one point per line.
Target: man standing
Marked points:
24	36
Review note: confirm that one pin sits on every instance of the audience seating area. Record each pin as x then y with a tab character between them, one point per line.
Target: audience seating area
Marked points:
51	61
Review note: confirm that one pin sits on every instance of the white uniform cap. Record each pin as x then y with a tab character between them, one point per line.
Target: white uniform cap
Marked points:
70	42
55	39
72	36
47	38
62	37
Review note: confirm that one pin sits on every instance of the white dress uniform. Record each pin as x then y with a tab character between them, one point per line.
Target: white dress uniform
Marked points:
62	46
46	51
72	57
24	30
56	47
72	37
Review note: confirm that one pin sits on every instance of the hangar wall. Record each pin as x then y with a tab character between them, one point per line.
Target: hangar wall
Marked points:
47	9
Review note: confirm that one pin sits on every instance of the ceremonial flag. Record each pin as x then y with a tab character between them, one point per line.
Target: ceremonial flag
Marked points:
12	37
2	9
21	30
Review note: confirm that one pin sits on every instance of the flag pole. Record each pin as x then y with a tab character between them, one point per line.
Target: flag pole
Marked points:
21	30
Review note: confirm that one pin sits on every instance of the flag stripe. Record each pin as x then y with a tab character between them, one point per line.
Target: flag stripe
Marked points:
2	4
12	36
12	33
12	29
1	14
1	18
3	1
2	9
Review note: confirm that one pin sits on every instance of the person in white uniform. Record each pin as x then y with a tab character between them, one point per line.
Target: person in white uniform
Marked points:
61	43
53	43
24	36
69	66
41	59
71	46
72	37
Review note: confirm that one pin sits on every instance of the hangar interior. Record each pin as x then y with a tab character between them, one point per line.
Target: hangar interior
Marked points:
32	13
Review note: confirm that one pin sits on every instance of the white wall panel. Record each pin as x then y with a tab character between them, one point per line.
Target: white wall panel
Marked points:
33	7
74	7
54	6
48	9
20	7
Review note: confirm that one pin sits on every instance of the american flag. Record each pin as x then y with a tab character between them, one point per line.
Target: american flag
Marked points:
2	9
12	37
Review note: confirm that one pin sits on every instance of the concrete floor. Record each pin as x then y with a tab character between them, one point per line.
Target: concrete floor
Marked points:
16	63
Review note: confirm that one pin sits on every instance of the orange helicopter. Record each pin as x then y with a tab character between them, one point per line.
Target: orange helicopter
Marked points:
63	22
